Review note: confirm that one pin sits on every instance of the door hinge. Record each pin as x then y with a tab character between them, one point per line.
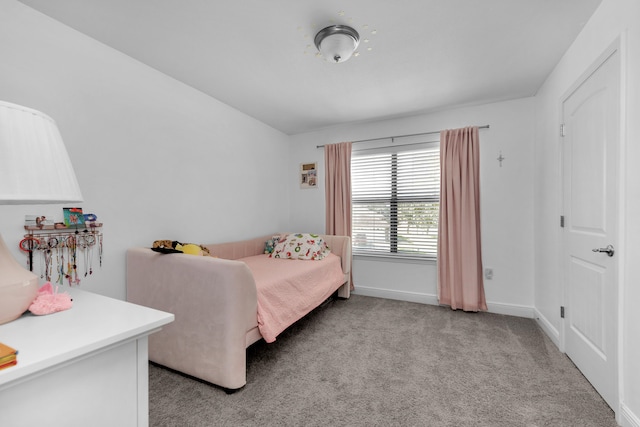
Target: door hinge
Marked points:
562	221
562	130
562	312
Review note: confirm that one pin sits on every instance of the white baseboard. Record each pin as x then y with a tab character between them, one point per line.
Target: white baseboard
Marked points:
396	295
628	418
498	308
511	309
548	328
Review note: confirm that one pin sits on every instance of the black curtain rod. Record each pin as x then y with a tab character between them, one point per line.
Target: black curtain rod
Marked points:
400	136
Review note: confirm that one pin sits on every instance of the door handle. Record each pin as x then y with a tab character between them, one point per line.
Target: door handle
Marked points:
608	250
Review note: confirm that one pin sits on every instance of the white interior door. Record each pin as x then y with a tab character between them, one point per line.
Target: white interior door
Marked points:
590	157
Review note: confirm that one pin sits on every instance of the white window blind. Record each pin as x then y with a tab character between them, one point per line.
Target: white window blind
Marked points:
395	201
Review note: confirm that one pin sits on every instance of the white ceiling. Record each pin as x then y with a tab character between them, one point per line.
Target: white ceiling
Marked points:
258	55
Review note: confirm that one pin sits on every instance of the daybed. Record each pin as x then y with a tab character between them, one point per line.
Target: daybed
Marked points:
225	302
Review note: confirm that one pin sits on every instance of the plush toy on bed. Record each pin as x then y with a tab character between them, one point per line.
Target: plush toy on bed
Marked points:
270	244
174	247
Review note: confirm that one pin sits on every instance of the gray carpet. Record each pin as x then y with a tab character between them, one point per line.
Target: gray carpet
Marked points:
369	361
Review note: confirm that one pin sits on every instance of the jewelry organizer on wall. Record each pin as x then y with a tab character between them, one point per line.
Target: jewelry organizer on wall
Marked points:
60	255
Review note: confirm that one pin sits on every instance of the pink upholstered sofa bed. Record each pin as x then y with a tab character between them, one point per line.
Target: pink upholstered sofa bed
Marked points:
224	303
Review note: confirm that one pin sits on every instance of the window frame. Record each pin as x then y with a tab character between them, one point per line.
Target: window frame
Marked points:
394	201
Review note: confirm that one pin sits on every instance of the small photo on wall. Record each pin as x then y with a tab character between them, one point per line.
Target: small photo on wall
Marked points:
73	217
309	175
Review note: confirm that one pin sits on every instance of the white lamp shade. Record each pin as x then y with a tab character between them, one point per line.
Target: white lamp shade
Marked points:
34	163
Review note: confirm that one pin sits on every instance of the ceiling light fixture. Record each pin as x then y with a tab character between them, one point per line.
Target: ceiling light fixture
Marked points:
337	43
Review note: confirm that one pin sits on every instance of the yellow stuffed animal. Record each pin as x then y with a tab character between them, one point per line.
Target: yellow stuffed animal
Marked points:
173	246
192	249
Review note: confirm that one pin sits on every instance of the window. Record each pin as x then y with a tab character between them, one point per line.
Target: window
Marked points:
395	201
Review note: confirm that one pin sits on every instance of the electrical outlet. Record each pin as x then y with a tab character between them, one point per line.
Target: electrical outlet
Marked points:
488	273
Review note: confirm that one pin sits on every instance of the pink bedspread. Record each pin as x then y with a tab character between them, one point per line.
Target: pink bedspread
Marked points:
289	289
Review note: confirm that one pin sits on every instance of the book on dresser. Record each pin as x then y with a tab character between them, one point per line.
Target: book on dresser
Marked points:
8	356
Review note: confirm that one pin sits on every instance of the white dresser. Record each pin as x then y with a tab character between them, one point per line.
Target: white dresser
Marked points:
87	366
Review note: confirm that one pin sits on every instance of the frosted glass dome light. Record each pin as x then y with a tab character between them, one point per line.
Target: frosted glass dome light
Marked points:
337	43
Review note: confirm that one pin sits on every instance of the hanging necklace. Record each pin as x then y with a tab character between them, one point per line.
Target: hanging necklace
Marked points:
93	243
100	248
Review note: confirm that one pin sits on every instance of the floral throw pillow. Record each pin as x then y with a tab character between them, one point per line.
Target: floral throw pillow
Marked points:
301	246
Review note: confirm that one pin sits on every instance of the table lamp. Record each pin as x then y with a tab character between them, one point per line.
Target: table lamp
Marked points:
34	169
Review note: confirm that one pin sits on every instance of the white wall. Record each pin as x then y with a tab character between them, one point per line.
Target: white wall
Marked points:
613	19
155	159
506	200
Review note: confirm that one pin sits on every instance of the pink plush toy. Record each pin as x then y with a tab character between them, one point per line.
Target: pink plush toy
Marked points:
49	301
